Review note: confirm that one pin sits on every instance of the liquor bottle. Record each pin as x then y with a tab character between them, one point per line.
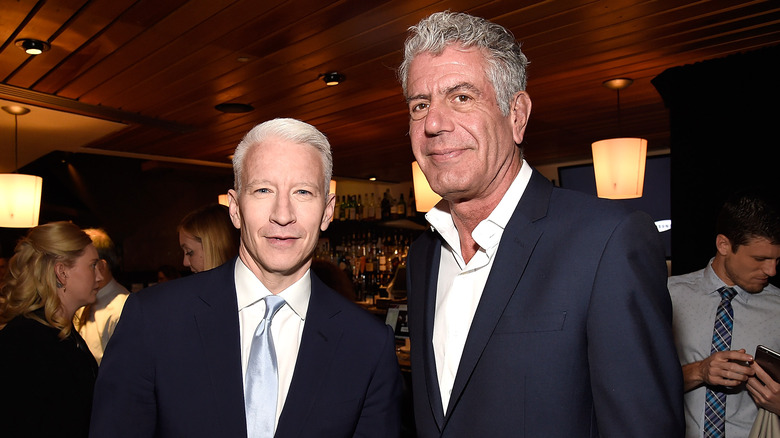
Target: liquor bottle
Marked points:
411	207
343	209
393	206
351	207
359	209
401	207
371	209
377	209
386	205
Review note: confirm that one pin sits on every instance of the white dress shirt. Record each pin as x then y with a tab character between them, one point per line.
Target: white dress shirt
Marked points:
103	317
286	327
460	285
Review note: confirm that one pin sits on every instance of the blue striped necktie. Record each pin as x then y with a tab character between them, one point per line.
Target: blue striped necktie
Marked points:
262	381
715	401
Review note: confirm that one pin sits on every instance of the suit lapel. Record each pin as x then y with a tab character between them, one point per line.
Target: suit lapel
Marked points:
319	342
217	324
517	245
426	282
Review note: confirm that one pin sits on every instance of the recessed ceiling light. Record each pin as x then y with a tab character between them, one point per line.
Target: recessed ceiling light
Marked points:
32	47
234	107
333	78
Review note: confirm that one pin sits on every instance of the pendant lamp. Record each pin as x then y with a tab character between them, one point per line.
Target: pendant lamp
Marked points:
20	195
619	163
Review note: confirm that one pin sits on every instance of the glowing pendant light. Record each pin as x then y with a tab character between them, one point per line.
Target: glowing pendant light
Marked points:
619	163
20	195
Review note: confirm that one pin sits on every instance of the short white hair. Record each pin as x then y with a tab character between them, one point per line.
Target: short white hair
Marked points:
288	129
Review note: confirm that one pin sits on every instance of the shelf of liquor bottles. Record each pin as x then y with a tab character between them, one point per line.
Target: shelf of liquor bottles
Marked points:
369	240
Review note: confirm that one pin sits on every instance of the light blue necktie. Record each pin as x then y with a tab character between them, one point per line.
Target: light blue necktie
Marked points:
715	401
262	382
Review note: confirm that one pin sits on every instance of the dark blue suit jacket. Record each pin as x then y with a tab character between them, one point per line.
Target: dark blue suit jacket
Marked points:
572	336
173	367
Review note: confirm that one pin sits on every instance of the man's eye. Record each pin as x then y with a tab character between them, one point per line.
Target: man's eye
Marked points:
419	110
462	98
303	192
262	190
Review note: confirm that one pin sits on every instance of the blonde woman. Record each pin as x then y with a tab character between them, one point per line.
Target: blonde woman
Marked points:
208	238
48	371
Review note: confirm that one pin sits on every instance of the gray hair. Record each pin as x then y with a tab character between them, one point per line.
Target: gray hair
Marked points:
292	130
506	62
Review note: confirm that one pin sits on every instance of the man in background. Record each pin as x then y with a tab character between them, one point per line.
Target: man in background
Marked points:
96	322
533	311
722	312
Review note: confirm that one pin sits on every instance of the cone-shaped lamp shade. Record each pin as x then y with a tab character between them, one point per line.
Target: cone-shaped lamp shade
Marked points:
424	197
20	200
619	164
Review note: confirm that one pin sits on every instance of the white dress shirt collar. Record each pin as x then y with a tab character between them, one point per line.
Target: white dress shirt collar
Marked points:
249	290
488	233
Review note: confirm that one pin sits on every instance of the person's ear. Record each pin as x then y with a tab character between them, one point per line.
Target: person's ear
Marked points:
723	245
327	215
61	272
235	213
519	112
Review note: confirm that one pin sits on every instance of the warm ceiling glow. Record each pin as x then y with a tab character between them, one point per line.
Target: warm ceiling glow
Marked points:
20	200
619	164
424	196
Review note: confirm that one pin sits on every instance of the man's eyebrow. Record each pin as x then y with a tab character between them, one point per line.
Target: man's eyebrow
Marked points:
463	86
418	97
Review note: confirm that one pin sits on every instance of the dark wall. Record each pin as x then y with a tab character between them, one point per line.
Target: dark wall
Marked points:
138	202
724	122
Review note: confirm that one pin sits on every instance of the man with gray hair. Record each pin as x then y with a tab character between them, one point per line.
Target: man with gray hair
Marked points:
533	311
259	346
96	322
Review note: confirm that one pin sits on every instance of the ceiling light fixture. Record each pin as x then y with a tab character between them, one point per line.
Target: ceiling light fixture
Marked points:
20	195
619	163
32	46
234	107
333	78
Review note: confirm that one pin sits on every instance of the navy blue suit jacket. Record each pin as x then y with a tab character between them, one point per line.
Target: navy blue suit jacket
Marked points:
173	367
572	336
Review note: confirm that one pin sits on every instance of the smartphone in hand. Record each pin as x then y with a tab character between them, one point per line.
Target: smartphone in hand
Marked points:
769	360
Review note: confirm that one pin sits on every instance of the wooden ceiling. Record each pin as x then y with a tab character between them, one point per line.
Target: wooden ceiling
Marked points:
161	66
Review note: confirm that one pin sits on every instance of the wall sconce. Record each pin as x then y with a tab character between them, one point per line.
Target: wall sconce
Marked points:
332	78
619	163
20	195
424	196
332	186
32	47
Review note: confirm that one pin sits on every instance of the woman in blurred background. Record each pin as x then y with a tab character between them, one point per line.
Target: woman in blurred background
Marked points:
208	238
47	369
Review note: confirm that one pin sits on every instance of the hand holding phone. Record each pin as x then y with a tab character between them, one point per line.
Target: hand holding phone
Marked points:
769	360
